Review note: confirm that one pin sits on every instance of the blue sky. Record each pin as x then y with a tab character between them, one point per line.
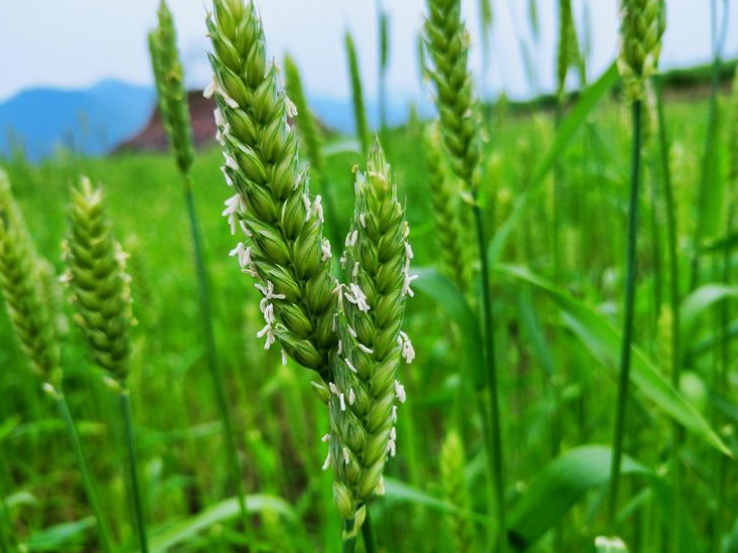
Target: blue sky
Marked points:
75	43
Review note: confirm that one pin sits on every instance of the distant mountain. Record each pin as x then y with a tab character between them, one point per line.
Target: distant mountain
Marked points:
91	121
115	115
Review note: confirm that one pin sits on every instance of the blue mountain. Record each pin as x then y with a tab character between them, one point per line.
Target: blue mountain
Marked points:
91	121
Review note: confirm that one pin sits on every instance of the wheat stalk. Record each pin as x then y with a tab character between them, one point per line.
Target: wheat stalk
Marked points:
31	295
101	293
175	112
272	205
363	394
448	46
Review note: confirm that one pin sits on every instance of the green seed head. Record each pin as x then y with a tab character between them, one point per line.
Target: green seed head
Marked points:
641	29
453	470
284	246
170	87
364	392
96	273
445	211
25	283
447	42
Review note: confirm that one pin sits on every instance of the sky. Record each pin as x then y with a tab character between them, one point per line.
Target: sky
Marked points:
76	43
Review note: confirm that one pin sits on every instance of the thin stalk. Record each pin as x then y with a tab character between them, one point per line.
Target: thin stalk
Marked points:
215	372
370	536
348	545
496	462
630	288
90	489
712	121
125	407
671	235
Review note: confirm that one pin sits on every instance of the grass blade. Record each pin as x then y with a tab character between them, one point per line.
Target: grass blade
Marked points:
603	342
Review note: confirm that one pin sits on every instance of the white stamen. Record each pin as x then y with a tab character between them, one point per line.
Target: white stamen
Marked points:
394	413
406	285
391	448
318	207
284	358
352	396
409	250
357	297
327	463
352	331
362	219
210	89
342	402
339	350
400	391
408	353
355	271
393	433
325	438
346	457
350	365
306	202
325	247
352	238
334	389
365	349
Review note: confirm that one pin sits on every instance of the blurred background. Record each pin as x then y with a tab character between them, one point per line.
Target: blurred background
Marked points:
77	74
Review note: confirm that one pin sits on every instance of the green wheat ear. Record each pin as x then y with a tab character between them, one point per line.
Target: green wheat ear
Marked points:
362	398
453	470
448	47
100	285
170	87
24	280
642	26
445	214
283	246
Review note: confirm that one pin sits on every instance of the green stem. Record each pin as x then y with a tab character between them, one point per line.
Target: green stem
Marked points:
630	288
672	234
215	372
125	406
494	457
370	536
348	543
90	489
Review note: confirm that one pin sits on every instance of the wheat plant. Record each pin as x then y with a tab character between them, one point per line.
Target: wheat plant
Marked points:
25	283
101	294
447	43
641	31
174	109
357	94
